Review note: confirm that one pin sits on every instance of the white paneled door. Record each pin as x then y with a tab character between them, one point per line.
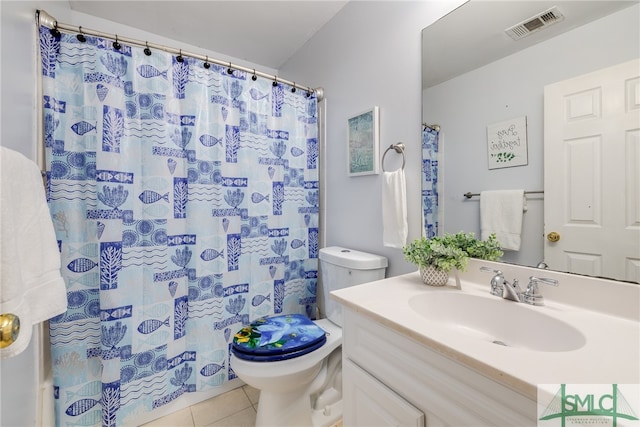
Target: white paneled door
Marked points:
592	173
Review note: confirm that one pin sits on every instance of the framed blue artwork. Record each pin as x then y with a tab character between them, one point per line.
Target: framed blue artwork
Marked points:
363	141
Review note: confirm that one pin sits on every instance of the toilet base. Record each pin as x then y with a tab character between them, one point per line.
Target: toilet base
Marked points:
327	417
317	405
294	410
283	409
298	414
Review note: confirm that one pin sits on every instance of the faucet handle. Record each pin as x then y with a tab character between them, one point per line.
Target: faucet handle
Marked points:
496	282
533	295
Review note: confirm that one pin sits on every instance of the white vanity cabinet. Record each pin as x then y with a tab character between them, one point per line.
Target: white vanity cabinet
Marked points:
391	379
371	403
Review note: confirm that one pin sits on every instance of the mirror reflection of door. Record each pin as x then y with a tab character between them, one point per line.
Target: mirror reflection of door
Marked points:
592	158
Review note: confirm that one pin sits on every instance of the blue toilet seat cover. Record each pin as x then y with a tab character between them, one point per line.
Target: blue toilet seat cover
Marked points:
278	338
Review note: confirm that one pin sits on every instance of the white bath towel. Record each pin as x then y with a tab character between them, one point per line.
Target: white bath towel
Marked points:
394	209
31	286
501	213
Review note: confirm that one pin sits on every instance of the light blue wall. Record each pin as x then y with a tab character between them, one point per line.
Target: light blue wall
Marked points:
21	376
18	72
368	55
508	88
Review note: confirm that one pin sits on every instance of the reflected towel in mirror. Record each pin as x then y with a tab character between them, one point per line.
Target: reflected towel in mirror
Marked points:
501	213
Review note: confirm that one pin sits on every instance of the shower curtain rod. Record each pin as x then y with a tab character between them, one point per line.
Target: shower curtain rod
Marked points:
43	18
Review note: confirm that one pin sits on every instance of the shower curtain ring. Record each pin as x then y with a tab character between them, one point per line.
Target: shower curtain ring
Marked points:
275	81
116	45
229	70
81	38
254	77
147	51
179	58
293	89
54	31
206	64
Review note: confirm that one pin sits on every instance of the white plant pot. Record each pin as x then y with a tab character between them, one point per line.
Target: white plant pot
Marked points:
433	277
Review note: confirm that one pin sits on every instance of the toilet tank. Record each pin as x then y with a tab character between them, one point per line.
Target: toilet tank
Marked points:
341	268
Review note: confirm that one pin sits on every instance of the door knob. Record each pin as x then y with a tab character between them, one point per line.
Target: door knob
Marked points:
553	236
9	329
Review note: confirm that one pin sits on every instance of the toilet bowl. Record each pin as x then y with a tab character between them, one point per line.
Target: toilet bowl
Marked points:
300	382
286	386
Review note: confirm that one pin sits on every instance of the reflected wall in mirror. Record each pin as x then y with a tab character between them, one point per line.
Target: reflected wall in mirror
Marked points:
468	84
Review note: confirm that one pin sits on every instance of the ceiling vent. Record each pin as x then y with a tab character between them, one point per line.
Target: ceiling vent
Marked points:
535	23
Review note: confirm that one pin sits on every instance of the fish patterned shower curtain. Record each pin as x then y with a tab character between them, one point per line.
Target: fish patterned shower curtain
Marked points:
430	153
185	202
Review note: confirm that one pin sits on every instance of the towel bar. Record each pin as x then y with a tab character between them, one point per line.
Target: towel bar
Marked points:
399	148
469	194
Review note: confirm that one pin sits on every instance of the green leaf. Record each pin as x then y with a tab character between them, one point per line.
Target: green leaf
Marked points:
451	250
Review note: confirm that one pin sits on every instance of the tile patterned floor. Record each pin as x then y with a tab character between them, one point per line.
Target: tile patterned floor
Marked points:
236	408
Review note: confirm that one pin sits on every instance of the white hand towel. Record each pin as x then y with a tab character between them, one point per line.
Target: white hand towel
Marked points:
501	213
31	286
394	209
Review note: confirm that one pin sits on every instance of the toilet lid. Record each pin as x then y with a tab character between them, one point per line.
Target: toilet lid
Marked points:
278	338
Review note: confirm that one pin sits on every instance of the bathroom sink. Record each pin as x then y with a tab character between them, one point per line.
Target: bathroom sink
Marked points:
497	321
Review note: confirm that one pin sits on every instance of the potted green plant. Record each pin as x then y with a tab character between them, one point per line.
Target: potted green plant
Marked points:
437	256
488	249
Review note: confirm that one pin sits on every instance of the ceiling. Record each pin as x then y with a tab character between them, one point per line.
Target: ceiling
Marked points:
266	33
473	35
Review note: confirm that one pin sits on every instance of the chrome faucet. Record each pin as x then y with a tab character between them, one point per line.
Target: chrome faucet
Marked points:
500	287
512	291
497	281
533	295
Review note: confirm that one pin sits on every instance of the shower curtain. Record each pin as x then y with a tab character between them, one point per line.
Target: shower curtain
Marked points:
430	152
185	201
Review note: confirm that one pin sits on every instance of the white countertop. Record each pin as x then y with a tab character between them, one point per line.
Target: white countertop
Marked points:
611	354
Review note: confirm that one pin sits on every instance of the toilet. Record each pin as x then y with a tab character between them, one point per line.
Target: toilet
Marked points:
295	362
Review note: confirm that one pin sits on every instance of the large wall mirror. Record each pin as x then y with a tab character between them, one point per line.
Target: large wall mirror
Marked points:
475	75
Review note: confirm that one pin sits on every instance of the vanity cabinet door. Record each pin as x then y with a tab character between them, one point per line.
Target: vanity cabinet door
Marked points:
368	402
445	391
